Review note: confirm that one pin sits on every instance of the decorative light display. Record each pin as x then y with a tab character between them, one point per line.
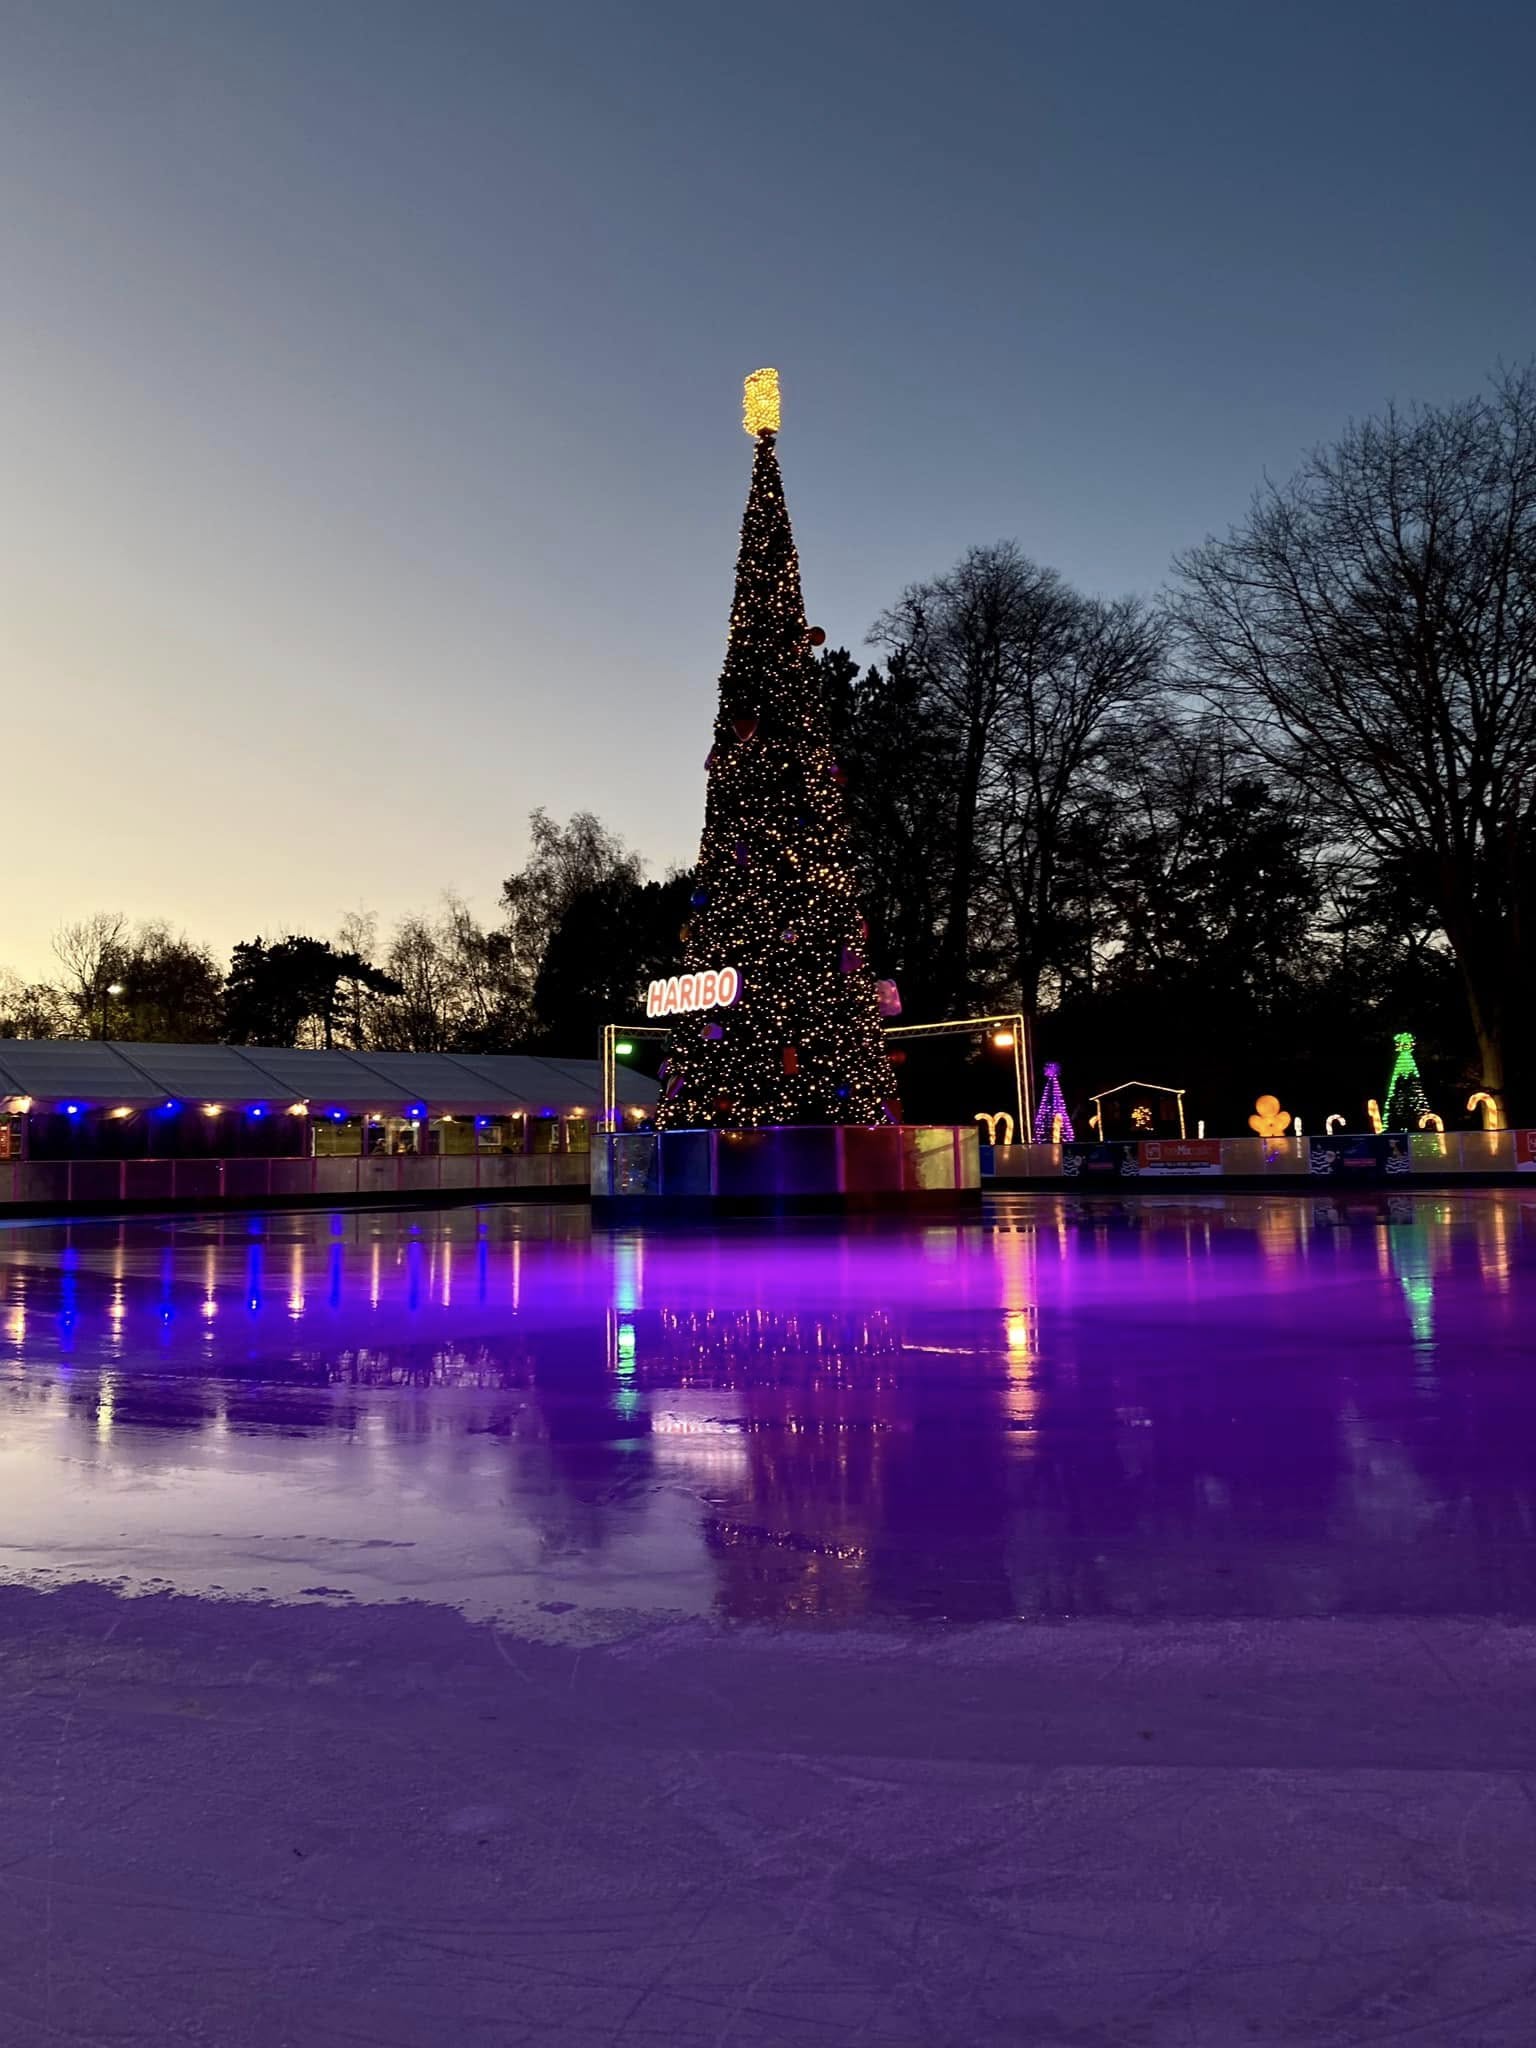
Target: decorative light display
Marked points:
760	403
773	890
1493	1115
1405	1099
1269	1119
1052	1124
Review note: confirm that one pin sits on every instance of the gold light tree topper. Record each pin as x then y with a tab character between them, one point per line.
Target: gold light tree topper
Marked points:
760	403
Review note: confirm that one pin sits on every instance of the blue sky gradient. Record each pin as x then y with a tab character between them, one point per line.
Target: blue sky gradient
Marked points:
370	374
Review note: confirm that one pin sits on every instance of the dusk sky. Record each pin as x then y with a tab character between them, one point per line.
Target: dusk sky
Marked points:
371	373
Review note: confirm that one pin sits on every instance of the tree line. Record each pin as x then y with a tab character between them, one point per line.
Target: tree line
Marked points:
1231	838
1235	837
580	930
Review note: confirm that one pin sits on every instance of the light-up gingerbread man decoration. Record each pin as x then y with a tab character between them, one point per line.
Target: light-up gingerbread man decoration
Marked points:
1269	1119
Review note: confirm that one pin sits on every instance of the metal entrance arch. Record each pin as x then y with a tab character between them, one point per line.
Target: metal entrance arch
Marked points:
612	1035
1011	1021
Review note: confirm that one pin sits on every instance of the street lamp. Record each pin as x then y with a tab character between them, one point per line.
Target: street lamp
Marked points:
113	988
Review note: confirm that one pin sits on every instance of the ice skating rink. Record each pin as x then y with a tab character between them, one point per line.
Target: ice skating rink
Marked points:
1091	1624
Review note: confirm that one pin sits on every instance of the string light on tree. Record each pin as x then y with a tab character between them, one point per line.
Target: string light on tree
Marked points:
773	891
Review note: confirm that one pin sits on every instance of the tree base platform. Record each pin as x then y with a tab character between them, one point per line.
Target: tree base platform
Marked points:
786	1168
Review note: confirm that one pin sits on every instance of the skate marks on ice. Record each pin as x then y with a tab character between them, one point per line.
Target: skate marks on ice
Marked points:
247	1825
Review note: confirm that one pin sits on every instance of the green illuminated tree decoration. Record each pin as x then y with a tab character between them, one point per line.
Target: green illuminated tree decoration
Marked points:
773	891
1405	1101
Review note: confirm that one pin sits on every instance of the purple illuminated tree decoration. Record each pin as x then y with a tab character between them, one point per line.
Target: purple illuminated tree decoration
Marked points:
1052	1105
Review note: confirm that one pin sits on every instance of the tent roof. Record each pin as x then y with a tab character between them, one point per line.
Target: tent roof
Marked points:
1159	1087
122	1074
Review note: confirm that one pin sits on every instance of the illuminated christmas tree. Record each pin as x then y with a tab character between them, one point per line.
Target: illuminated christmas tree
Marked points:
802	1042
1405	1101
1051	1106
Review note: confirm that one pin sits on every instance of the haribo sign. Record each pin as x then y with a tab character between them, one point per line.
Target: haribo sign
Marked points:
713	988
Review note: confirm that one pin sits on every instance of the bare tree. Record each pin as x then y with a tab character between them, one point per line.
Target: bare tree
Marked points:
356	937
33	1009
958	637
1371	629
1078	683
168	990
1028	675
565	860
421	1018
92	953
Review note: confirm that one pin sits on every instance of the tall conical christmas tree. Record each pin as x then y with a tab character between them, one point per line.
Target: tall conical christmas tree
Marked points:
773	892
1405	1101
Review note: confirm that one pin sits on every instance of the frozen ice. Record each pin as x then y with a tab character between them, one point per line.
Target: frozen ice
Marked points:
1086	1626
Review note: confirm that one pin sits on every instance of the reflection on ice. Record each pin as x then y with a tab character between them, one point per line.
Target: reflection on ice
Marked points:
1218	1405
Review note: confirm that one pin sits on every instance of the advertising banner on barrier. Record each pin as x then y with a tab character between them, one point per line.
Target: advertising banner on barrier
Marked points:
1360	1155
1525	1151
1102	1161
1179	1155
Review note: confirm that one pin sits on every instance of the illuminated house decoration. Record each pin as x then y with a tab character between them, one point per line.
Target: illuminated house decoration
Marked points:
1138	1109
1405	1102
1052	1124
773	897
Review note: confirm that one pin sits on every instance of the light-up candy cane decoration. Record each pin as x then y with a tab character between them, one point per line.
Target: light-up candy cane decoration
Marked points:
1430	1122
1332	1124
1493	1116
1373	1111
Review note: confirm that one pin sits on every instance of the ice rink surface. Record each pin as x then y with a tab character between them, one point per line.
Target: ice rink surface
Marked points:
1090	1624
